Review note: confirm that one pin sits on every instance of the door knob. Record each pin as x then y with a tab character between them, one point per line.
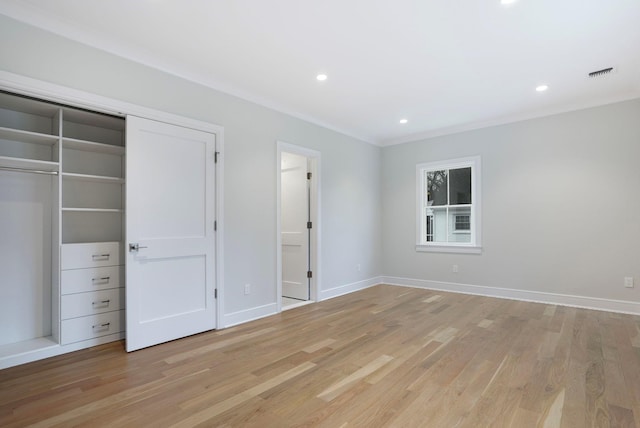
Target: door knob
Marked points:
135	247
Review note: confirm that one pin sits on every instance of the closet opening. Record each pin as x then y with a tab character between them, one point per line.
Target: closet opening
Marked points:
61	227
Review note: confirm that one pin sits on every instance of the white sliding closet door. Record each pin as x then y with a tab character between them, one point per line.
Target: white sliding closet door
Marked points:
170	245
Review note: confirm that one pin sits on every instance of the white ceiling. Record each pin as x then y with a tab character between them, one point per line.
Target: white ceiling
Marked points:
445	65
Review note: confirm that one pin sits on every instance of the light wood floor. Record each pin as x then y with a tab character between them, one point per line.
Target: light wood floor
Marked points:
386	356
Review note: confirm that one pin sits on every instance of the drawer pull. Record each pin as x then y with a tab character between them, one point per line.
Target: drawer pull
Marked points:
98	281
101	327
100	257
101	304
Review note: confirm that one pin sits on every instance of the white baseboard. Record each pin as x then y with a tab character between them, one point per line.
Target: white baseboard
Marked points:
595	303
247	315
621	306
349	288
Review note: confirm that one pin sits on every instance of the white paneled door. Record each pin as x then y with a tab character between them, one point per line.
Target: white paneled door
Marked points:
294	197
170	245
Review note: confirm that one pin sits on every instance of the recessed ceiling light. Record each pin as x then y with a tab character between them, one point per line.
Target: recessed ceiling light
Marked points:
403	121
541	88
507	1
321	77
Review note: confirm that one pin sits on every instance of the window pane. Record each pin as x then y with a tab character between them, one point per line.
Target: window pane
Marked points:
438	228
460	224
460	186
437	187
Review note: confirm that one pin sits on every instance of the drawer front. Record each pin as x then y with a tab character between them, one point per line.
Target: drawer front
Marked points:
91	303
91	279
84	328
94	254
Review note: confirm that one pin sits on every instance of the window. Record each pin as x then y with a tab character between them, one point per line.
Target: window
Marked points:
449	206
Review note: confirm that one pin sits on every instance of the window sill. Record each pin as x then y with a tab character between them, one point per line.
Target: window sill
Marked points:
458	249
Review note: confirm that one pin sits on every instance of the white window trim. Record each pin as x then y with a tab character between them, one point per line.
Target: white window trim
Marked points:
475	246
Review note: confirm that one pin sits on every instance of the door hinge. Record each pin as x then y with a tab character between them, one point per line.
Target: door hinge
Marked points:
216	157
215	225
309	225
308	176
309	274
215	293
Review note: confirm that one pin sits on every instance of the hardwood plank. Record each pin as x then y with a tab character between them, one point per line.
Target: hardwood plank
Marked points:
236	400
319	345
553	418
217	345
621	417
334	390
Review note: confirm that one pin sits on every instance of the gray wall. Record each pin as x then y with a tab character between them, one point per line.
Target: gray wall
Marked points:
351	201
560	207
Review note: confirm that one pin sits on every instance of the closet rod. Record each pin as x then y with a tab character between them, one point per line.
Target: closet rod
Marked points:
33	171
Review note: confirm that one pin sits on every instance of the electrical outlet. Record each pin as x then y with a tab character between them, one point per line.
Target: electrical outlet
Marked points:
247	289
455	269
628	281
359	267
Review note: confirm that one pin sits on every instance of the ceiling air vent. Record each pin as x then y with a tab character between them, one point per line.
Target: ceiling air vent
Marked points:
602	72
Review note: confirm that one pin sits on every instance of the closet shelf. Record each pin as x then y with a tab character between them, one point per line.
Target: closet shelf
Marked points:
27	136
94	178
30	164
90	146
93	210
27	346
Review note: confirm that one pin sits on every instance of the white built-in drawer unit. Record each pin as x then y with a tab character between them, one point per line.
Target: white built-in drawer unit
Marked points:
90	327
92	289
90	255
91	303
91	279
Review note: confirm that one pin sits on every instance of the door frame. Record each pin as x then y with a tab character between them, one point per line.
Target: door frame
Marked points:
77	98
314	241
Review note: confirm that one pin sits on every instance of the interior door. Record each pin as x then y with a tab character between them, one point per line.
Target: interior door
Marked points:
294	196
170	246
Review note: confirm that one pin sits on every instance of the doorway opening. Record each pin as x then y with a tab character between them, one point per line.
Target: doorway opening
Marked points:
298	226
